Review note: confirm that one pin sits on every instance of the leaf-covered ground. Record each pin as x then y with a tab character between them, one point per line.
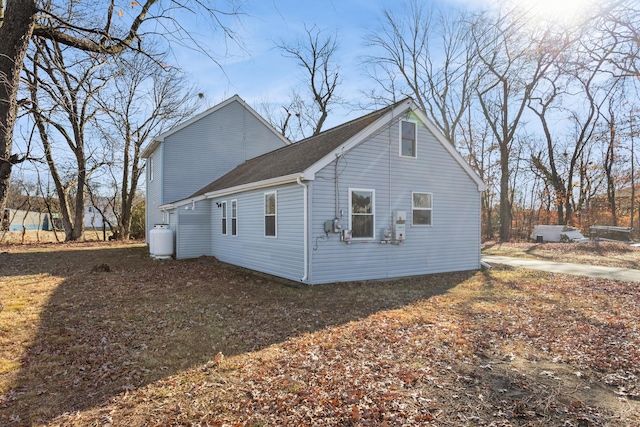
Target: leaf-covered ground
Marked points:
137	346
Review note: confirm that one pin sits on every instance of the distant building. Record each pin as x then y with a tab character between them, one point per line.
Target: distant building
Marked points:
21	220
94	216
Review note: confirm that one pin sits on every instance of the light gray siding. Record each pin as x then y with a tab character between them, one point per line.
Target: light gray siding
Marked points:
210	147
451	243
193	237
20	220
281	256
154	192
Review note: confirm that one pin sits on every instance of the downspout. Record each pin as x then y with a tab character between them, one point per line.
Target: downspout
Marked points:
336	192
306	232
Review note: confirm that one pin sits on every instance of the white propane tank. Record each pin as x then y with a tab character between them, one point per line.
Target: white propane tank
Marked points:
161	241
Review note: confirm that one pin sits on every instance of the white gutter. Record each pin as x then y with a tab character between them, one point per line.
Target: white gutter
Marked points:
287	179
306	233
175	205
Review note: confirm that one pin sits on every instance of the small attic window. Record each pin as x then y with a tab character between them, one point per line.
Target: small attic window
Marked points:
408	138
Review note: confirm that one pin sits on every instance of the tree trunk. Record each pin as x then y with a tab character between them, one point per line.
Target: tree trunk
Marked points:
505	204
124	228
488	211
78	226
15	32
505	143
65	210
611	185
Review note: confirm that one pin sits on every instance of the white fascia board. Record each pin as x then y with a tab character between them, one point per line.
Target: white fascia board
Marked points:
449	147
149	149
357	138
287	179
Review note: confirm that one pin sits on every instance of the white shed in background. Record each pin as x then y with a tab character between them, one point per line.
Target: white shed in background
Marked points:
557	233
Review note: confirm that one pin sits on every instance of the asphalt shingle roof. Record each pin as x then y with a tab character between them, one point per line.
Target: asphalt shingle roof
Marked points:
294	158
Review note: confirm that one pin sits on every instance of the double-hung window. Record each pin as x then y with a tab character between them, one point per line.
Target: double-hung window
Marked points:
270	214
362	213
234	217
224	217
408	138
422	206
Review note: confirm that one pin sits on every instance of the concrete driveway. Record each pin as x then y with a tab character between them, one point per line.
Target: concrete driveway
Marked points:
624	274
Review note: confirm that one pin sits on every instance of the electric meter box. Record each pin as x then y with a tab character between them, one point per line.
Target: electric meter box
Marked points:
399	225
386	234
333	226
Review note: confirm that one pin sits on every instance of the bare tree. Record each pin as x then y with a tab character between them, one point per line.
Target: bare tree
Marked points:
288	119
514	59
62	90
575	93
500	68
316	54
632	169
15	31
101	28
428	56
620	25
547	163
477	144
142	100
597	87
610	157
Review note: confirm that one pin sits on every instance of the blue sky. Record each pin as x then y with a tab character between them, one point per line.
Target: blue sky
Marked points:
259	73
262	74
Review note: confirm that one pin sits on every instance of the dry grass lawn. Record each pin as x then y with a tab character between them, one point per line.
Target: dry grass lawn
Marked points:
39	237
137	345
609	254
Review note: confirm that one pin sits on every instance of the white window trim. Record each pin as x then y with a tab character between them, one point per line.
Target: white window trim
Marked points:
421	209
415	136
373	211
268	193
234	202
225	216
